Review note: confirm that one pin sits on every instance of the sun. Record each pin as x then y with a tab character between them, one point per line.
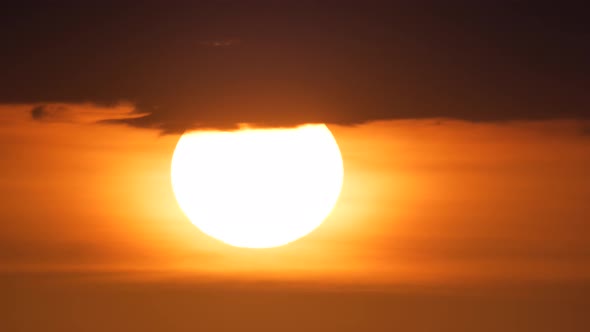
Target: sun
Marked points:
257	188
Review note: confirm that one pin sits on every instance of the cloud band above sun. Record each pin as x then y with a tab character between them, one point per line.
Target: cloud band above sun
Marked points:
283	66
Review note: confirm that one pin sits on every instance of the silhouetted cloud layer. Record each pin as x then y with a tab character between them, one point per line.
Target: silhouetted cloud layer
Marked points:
83	113
280	64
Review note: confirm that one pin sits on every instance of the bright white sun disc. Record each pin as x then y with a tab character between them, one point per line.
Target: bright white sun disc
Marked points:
257	188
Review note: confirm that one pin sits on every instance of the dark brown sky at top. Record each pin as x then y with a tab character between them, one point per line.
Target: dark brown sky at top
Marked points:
217	64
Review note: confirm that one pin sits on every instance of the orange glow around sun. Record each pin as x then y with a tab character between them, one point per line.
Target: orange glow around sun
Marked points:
257	188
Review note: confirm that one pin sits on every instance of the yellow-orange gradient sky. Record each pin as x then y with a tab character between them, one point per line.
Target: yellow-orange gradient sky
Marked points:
464	130
424	202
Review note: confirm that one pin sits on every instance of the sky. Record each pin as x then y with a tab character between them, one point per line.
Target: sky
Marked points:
221	63
464	130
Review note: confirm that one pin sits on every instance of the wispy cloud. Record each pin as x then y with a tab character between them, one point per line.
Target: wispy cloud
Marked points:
221	43
81	113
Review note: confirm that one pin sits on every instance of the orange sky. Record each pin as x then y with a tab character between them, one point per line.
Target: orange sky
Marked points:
424	202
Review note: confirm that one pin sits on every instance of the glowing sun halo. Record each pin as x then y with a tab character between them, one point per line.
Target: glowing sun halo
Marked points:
257	188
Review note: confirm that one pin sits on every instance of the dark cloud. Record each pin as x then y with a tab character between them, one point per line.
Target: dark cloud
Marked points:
38	112
50	113
83	113
218	64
